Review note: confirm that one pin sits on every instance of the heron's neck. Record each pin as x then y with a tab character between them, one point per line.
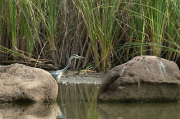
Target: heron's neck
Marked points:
65	68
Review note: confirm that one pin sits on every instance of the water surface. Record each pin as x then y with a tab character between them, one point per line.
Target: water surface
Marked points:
78	101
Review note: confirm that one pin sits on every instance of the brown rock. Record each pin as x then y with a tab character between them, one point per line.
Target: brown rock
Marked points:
20	82
144	78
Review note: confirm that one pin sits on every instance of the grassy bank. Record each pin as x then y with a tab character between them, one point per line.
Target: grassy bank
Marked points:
107	32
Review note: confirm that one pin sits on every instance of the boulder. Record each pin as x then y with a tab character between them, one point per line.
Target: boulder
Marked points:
144	78
23	83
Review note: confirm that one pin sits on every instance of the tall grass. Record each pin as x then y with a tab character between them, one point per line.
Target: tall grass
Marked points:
12	18
99	18
41	29
157	24
107	32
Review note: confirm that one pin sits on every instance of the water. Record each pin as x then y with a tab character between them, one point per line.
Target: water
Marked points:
28	111
77	101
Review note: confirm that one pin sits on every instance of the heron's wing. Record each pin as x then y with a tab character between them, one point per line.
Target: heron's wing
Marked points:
56	73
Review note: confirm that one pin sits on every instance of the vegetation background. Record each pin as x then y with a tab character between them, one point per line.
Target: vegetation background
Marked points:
45	33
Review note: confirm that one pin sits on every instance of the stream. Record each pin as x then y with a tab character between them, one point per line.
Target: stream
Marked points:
78	101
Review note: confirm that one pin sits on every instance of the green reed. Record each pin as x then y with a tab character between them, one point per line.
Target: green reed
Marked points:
1	9
160	26
155	28
12	18
99	18
106	32
18	23
50	15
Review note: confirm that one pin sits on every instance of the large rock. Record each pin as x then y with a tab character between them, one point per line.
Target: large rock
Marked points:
144	78
23	83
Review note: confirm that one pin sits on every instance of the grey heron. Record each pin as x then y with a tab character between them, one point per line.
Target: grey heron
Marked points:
57	74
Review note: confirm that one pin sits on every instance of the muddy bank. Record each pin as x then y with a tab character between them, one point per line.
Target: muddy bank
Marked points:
89	77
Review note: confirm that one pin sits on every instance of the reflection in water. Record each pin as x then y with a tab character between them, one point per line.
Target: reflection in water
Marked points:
76	102
60	114
71	93
139	111
33	111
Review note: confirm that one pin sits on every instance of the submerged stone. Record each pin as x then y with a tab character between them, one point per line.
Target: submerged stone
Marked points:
144	78
23	83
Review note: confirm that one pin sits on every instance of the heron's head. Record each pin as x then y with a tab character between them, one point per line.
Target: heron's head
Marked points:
77	56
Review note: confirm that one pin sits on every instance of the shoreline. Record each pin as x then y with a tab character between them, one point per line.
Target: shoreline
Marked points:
88	78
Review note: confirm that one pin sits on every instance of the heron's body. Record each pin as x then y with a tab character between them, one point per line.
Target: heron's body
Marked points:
57	74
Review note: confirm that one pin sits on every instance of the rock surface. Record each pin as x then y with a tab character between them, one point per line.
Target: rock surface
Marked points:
23	83
144	78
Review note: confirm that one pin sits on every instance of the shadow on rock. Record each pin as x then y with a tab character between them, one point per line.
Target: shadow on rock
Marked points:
32	111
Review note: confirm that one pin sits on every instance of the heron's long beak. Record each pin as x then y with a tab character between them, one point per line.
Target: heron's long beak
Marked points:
81	57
